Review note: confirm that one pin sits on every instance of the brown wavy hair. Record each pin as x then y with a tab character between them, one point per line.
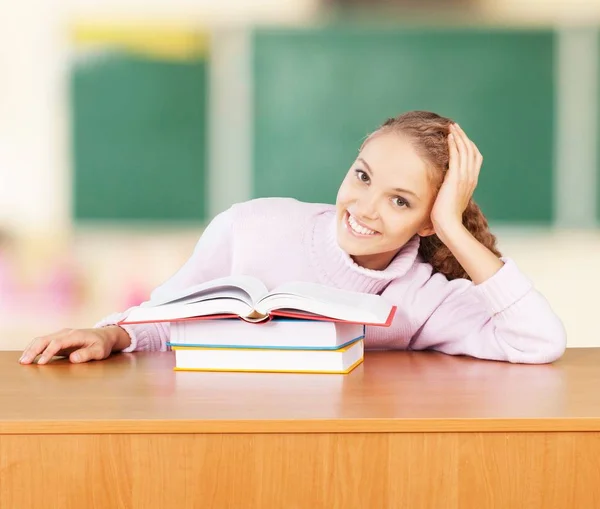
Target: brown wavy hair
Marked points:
429	133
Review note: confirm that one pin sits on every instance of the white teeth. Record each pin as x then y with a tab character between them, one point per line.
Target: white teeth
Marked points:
358	228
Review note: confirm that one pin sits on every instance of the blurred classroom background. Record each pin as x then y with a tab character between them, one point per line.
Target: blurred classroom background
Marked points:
125	126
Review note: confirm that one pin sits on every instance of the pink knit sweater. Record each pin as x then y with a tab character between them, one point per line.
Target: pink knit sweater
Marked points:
281	239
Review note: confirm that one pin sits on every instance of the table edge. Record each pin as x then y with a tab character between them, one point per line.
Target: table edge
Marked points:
274	426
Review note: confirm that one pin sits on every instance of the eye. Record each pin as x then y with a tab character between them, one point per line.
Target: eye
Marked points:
400	202
362	176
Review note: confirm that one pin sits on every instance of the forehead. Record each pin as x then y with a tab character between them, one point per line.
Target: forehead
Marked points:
394	160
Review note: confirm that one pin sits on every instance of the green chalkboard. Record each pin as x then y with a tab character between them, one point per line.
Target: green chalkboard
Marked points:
138	131
318	92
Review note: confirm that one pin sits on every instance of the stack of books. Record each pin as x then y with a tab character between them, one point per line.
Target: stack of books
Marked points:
280	345
236	324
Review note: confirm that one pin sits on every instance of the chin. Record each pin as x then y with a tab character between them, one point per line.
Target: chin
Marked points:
353	250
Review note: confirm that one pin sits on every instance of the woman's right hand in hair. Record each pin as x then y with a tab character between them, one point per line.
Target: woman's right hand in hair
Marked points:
80	345
459	183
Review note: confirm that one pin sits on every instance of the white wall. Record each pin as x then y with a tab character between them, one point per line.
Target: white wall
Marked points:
562	12
219	12
33	179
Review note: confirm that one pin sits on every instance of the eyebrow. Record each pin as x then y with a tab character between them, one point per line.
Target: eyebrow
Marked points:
396	189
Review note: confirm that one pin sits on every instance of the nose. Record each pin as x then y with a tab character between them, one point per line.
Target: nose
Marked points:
366	207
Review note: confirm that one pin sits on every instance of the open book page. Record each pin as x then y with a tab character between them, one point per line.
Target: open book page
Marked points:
245	288
248	298
171	312
327	301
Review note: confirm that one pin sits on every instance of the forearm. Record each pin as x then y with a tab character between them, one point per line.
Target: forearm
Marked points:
503	318
477	260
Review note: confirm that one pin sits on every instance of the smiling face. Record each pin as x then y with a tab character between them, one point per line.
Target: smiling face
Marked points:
385	199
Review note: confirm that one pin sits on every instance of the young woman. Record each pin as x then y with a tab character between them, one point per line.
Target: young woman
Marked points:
404	226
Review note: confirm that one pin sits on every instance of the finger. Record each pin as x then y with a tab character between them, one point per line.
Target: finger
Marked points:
454	159
477	155
475	159
477	162
469	147
38	345
61	346
472	167
93	352
473	155
463	153
472	151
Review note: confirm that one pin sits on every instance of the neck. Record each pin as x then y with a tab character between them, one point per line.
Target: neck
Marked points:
379	261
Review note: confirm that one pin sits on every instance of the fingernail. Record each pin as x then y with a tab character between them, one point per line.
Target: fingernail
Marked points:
21	358
76	357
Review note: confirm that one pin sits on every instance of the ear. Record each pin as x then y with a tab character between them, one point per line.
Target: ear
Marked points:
426	230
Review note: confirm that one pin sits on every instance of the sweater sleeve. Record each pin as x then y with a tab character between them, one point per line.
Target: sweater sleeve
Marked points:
210	259
504	318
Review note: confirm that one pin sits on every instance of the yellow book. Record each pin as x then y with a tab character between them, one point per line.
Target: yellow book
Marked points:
340	361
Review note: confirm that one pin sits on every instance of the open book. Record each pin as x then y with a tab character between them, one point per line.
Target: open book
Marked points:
248	298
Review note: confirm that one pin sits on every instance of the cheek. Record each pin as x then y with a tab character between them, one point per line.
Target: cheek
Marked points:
401	226
344	192
395	227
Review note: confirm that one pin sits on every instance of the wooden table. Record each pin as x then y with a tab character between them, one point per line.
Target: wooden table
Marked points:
403	430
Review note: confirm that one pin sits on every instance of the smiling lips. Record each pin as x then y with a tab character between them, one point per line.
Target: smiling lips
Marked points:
357	228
